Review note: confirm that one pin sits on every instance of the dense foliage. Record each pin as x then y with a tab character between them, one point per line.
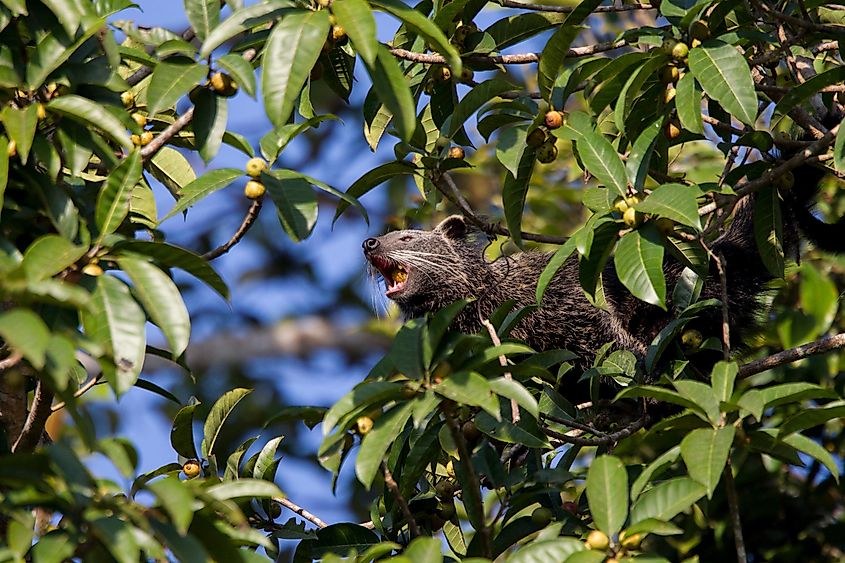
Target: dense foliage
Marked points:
674	111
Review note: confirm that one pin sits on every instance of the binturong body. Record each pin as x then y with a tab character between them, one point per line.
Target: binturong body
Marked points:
427	270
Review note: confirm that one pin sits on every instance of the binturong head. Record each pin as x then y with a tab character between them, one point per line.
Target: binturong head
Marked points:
425	270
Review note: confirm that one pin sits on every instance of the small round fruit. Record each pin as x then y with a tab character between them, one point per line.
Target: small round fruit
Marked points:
442	74
255	166
541	516
680	51
464	31
535	138
223	84
470	431
785	181
136	140
668	44
669	94
632	542
456	152
191	468
93	270
691	339
40	112
275	510
140	119
553	119
467	75
672	131
632	200
445	489
146	138
127	99
363	424
598	540
669	74
620	205
339	35
699	29
632	217
547	152
695	43
254	189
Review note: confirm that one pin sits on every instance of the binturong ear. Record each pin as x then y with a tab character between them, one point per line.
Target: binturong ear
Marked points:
454	227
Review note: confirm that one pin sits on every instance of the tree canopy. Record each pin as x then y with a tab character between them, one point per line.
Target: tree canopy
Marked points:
618	132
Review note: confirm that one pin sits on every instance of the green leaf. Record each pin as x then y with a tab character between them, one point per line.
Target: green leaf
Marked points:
162	300
378	440
170	81
210	116
839	150
182	432
473	100
705	453
202	187
203	15
607	493
768	229
296	203
674	201
241	70
113	199
469	388
25	332
294	45
809	418
221	410
514	193
511	389
419	24
723	378
639	265
48	255
702	395
20	127
654	469
91	115
526	432
357	20
548	550
176	499
555	263
275	141
688	104
392	89
116	321
373	178
554	53
243	488
172	169
118	537
598	155
811	448
424	549
171	256
724	74
639	159
266	459
510	147
4	167
241	20
794	392
666	500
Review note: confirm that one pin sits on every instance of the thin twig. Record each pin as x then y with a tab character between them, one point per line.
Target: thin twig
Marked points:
733	506
33	428
607	439
472	488
812	26
573	424
11	360
820	346
393	487
719	260
81	391
246	225
301	511
171	131
503	361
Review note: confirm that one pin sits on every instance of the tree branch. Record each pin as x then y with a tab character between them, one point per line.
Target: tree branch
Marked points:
569	9
503	361
733	507
33	428
246	225
300	511
607	439
393	487
820	346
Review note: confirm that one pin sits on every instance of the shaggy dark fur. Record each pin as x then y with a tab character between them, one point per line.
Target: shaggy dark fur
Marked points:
447	263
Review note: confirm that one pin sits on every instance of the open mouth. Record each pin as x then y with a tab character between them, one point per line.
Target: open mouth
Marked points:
395	275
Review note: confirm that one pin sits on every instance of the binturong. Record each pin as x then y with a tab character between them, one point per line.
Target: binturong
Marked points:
427	270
